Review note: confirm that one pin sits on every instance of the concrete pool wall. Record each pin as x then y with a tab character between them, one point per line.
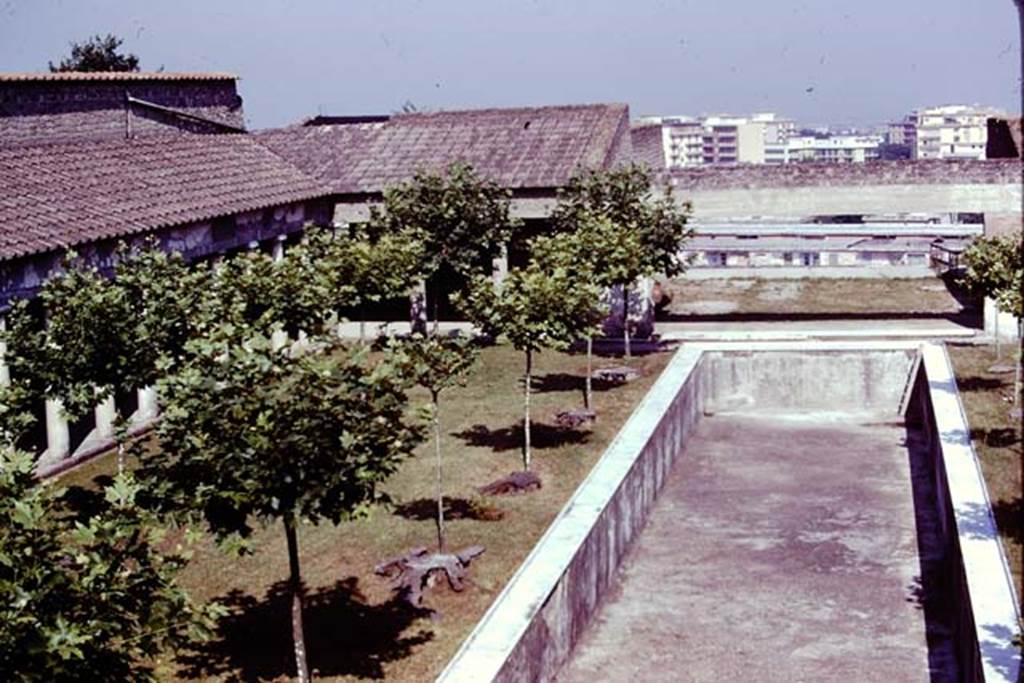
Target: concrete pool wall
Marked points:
530	630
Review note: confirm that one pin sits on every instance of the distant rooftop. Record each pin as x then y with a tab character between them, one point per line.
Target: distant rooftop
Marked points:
116	76
518	148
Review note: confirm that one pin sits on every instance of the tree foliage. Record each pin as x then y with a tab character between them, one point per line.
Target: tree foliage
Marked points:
995	268
87	336
635	234
534	308
462	221
85	597
98	53
251	434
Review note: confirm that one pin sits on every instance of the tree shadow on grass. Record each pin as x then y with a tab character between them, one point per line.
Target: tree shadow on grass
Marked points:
423	509
563	381
980	383
1009	516
999	437
345	636
511	438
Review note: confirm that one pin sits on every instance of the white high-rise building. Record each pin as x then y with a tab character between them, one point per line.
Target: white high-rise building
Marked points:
949	132
850	149
722	139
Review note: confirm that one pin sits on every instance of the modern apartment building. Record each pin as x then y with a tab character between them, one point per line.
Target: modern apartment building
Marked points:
849	149
946	132
720	139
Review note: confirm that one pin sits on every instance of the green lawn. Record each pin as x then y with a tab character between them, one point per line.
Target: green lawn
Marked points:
354	629
987	398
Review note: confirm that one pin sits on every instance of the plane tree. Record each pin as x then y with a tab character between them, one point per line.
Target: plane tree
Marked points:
657	225
87	596
995	269
435	363
535	309
596	254
462	221
254	434
87	335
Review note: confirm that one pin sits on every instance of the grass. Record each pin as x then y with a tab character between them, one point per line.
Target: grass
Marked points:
880	298
987	399
354	628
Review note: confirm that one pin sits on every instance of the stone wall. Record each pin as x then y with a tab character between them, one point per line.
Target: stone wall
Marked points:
930	172
647	146
61	110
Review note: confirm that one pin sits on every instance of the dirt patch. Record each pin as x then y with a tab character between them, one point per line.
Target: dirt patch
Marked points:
785	290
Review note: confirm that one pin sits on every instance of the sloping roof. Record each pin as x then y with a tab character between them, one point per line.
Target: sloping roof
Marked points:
116	76
59	195
530	147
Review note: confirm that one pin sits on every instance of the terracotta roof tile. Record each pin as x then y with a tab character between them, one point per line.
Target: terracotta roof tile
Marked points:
116	76
59	195
530	147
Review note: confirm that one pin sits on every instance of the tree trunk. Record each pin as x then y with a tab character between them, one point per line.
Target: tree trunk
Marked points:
999	343
437	307
526	412
588	397
296	588
625	320
362	324
1016	371
440	489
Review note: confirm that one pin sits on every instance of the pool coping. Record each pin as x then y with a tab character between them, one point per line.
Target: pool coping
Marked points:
488	652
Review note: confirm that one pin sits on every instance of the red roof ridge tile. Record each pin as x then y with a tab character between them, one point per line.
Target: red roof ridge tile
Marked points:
9	76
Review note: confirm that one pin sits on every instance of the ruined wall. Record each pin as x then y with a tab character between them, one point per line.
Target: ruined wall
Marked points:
925	172
647	146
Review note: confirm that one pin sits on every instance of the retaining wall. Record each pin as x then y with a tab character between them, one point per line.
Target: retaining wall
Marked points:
530	630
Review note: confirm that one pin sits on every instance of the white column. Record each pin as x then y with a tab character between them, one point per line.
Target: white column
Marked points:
58	438
499	267
279	338
999	323
148	408
5	372
418	308
105	413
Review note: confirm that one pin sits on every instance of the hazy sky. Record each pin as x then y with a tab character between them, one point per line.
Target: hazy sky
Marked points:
819	61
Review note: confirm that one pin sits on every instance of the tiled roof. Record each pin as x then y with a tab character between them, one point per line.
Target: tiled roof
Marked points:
533	147
116	76
60	195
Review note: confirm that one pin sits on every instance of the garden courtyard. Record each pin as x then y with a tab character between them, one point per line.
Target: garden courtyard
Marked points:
357	630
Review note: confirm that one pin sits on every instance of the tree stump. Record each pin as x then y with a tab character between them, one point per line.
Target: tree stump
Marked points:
574	419
419	569
514	483
619	374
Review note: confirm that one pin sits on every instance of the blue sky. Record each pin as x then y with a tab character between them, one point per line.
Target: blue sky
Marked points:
819	61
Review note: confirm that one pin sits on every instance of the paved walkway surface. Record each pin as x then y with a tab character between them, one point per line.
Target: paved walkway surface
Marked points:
797	272
816	329
782	548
